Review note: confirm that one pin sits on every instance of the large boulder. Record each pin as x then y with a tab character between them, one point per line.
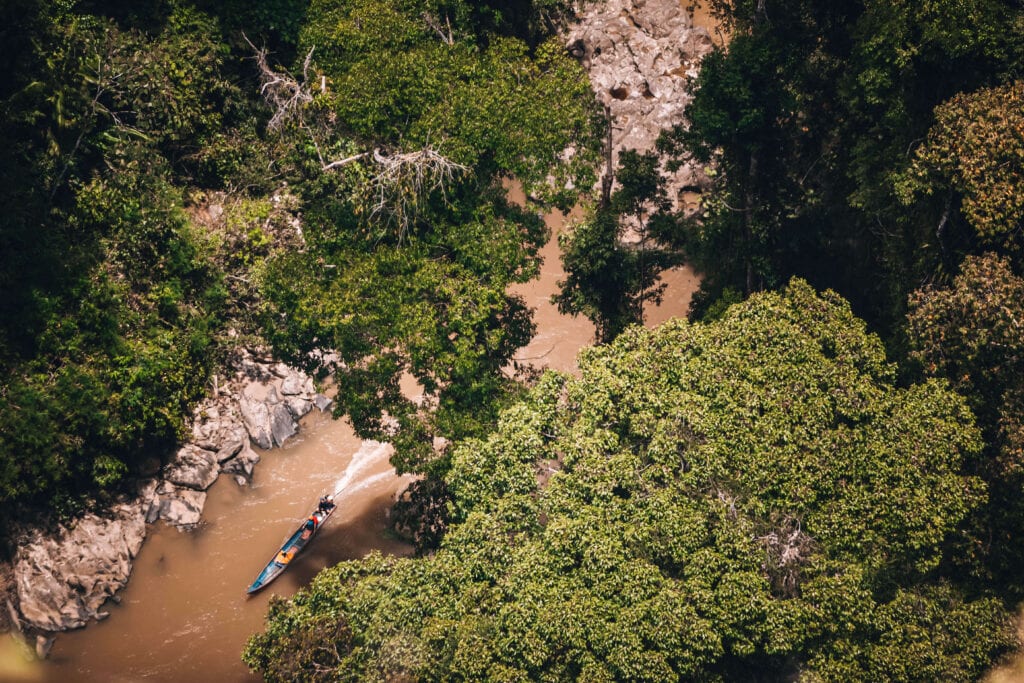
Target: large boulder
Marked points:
215	422
322	402
242	465
180	506
294	383
63	578
298	406
232	448
192	467
256	416
282	423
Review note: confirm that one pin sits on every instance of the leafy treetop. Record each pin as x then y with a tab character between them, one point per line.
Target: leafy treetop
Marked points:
750	498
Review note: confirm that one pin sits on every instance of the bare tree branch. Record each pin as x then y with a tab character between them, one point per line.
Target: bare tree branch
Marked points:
401	181
404	180
445	32
286	95
344	162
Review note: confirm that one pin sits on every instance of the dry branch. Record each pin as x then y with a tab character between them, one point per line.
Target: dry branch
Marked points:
286	95
403	181
400	182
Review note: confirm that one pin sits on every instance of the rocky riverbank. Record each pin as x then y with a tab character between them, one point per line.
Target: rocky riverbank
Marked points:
61	578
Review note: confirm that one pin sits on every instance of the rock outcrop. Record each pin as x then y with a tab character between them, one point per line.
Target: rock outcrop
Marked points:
192	467
639	54
256	415
178	505
64	578
242	465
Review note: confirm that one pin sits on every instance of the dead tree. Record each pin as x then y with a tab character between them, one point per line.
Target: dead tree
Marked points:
404	180
399	182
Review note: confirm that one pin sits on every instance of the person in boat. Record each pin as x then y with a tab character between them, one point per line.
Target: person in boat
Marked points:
326	504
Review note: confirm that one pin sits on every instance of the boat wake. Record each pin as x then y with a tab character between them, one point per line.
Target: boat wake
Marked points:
369	456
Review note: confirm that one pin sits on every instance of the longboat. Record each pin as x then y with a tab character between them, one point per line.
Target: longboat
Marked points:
292	547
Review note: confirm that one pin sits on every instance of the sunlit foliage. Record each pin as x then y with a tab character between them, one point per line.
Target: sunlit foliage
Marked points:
750	499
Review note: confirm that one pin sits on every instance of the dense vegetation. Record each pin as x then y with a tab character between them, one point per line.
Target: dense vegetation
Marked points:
867	146
153	203
112	299
877	148
772	492
408	272
744	500
763	497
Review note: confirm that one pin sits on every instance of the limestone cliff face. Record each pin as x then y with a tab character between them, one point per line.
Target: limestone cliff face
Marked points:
639	54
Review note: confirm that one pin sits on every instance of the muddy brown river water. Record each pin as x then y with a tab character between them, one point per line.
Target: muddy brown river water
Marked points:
184	615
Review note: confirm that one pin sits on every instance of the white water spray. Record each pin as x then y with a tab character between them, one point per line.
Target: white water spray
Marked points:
368	457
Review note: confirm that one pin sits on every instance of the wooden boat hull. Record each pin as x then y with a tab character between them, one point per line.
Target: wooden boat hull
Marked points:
292	547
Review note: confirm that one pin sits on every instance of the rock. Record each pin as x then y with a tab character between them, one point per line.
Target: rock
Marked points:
282	424
253	369
149	501
43	646
230	450
182	507
322	402
294	383
153	511
217	421
242	465
193	467
256	416
63	578
298	407
272	398
638	55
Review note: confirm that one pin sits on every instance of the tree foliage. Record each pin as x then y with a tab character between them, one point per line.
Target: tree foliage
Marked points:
975	152
749	499
411	245
811	116
112	299
970	333
607	279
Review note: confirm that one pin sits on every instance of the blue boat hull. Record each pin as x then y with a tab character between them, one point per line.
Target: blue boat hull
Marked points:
292	547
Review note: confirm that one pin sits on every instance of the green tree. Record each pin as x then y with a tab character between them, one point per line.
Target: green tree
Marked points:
606	279
410	114
754	498
114	302
970	334
810	117
974	158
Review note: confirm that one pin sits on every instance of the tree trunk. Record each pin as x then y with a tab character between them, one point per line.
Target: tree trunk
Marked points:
748	221
609	172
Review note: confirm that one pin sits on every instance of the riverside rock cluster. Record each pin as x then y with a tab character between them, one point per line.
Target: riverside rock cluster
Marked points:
64	576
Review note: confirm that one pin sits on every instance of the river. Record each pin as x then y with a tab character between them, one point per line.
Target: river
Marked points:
184	615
